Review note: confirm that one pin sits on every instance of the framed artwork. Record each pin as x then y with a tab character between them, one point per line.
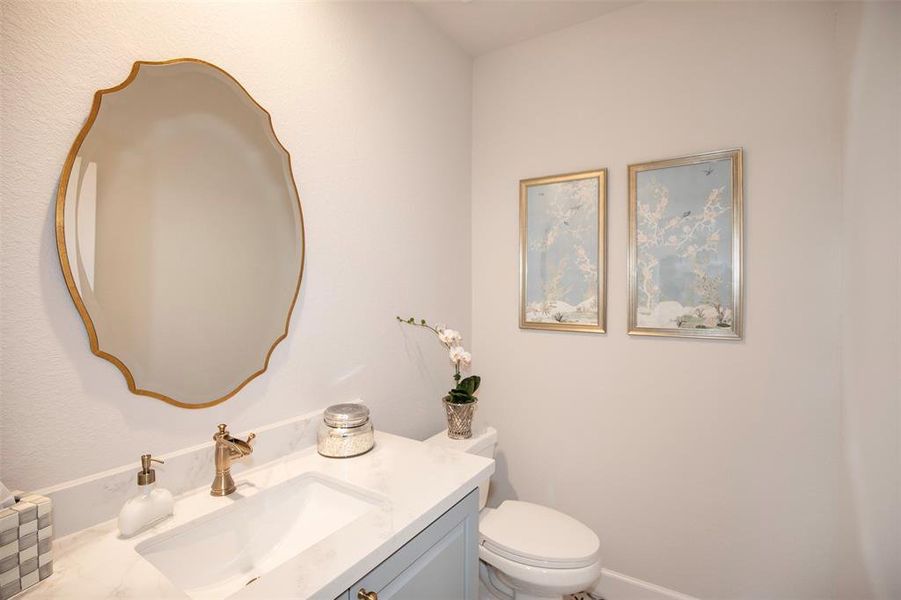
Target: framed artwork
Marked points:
685	246
562	255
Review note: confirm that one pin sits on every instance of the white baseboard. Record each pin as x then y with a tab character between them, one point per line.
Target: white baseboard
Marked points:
616	586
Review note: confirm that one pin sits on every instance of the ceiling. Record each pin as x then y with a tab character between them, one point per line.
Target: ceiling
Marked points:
480	26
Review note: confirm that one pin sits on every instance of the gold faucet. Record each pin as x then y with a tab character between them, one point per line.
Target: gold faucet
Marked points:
227	449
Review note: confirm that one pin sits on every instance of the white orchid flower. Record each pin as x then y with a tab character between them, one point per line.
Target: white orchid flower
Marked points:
449	337
460	357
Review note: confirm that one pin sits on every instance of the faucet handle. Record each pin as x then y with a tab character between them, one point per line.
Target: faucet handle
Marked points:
223	436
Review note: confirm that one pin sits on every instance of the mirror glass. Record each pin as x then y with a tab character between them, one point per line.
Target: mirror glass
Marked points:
180	233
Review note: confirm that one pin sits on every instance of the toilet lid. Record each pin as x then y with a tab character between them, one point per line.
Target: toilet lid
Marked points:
537	535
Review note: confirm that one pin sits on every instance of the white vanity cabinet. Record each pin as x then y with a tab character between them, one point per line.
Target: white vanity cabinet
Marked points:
440	563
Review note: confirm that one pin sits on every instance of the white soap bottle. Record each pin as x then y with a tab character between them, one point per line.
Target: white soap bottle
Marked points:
150	506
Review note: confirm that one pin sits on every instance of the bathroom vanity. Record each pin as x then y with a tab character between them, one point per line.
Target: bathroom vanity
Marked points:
398	522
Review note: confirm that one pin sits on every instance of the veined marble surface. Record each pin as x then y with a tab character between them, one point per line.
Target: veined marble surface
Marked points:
85	502
418	482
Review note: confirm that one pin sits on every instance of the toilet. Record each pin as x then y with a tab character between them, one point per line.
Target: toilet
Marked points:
527	551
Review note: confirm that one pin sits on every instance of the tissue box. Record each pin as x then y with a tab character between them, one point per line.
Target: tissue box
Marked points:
26	534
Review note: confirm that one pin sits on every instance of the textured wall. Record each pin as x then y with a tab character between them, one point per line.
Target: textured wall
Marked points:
374	107
713	468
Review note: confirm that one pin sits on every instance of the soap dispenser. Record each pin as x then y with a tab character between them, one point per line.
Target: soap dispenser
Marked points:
150	506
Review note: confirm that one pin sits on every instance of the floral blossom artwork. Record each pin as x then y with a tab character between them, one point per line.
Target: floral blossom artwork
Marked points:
685	228
562	252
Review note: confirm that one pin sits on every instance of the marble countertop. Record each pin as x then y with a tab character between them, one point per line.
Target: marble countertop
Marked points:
417	482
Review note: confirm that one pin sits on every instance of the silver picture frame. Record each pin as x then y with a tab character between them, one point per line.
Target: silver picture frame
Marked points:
686	246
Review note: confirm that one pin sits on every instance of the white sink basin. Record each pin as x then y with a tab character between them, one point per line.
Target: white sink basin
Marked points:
217	555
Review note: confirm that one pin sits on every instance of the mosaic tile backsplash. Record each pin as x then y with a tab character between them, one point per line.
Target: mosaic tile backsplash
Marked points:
26	534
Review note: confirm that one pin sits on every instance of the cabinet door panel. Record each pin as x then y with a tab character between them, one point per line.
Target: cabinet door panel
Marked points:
440	563
439	574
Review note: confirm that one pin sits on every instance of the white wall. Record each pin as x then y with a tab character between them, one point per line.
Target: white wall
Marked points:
374	107
870	38
712	468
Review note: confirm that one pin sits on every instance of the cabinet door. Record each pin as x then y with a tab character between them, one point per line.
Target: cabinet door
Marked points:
441	563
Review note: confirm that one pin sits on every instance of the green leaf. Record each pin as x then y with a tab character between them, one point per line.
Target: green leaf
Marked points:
460	397
469	384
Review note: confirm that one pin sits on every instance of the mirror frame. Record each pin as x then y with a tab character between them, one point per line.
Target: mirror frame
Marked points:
64	259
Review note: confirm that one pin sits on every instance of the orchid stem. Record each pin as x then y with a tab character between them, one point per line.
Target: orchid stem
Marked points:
422	323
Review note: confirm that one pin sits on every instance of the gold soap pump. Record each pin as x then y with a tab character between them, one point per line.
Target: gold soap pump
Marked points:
146	475
150	506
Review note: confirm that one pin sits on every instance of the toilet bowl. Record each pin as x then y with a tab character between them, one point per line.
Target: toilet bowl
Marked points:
527	551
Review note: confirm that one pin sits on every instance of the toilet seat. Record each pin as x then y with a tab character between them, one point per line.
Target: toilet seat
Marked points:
530	534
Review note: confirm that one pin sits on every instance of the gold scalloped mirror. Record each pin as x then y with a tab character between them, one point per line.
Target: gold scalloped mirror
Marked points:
180	232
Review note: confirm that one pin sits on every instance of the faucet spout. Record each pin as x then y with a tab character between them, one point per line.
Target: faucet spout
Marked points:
227	449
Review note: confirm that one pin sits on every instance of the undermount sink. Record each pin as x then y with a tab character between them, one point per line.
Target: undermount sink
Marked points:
217	555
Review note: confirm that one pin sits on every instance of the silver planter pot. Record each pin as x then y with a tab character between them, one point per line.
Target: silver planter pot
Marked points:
459	419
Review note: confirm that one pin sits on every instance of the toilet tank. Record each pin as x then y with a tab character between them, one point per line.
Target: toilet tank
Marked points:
483	443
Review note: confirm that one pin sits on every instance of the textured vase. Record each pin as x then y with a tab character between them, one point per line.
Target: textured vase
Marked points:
459	419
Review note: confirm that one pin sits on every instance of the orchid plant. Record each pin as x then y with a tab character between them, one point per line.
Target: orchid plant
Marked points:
464	391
